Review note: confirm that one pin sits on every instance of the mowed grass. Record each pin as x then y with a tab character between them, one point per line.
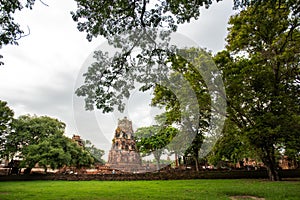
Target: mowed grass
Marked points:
171	189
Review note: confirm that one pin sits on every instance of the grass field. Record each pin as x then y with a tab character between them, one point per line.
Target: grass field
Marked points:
177	189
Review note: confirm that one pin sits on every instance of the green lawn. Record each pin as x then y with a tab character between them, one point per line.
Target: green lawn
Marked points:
176	189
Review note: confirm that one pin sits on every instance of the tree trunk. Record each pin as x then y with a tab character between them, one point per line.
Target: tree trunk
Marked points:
27	170
197	164
270	163
157	158
176	160
196	157
273	174
158	164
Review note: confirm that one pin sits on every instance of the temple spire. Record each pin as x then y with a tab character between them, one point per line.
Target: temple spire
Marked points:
123	155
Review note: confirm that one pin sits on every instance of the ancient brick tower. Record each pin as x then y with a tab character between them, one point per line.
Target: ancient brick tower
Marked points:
123	155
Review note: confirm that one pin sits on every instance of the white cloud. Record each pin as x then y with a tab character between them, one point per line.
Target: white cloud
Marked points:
210	30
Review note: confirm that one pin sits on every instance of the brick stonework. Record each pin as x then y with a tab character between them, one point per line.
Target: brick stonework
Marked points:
123	155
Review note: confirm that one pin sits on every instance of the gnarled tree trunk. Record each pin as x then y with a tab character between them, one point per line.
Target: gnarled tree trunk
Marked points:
271	164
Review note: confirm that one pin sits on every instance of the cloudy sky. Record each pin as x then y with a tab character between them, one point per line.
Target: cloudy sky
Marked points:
41	74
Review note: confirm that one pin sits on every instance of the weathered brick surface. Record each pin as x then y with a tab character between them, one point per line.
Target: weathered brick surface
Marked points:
155	176
123	155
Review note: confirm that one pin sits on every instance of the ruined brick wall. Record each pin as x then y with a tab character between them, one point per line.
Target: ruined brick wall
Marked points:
254	174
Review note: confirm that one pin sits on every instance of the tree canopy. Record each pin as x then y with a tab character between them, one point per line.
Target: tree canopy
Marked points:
30	130
56	151
41	140
261	75
128	26
108	18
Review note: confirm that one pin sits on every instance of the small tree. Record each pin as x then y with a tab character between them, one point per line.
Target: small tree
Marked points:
154	139
6	118
94	151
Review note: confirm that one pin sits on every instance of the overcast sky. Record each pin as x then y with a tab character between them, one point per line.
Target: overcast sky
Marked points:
41	74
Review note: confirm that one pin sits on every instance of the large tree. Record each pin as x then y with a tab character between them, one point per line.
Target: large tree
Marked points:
30	130
262	77
41	140
193	100
55	151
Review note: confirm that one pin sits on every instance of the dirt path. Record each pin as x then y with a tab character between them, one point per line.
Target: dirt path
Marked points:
245	197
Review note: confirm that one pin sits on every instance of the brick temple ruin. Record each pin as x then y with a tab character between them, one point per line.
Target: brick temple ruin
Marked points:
123	154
